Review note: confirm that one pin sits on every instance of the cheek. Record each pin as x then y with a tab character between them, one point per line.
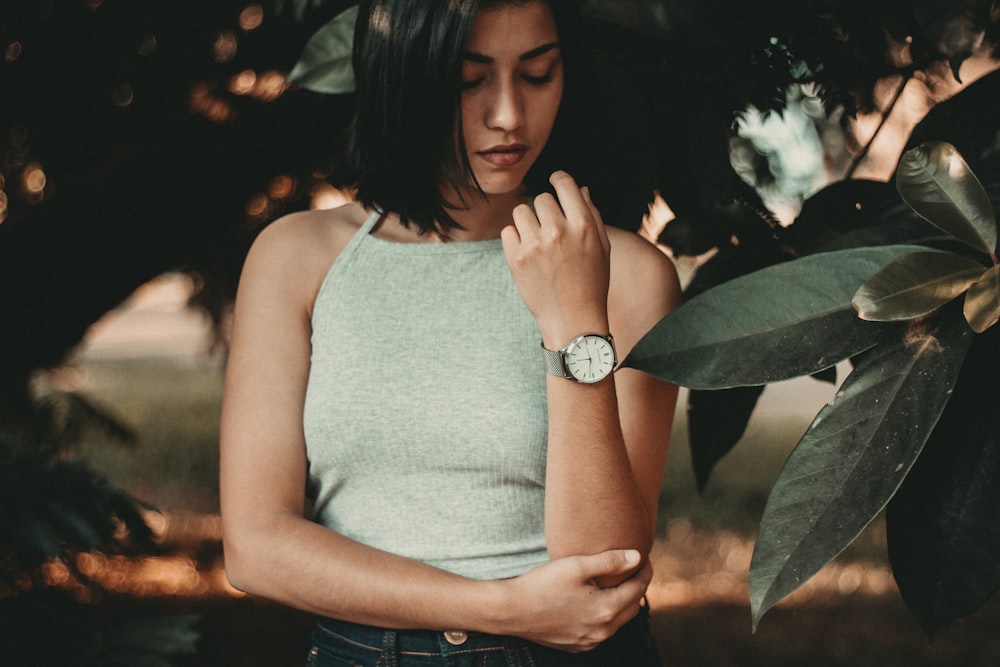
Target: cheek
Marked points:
467	120
461	134
551	110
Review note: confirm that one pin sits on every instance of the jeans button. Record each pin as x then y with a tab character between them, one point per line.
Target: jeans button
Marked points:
456	637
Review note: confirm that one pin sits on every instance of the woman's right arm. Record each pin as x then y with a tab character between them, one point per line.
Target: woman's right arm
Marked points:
273	551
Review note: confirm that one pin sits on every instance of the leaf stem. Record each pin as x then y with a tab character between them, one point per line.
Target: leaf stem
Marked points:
885	117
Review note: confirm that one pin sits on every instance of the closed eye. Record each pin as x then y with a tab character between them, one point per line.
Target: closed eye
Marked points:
539	80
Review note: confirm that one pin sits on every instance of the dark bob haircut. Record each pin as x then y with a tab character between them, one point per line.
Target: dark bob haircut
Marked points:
407	64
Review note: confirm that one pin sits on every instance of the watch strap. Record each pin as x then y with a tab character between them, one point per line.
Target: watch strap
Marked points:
554	363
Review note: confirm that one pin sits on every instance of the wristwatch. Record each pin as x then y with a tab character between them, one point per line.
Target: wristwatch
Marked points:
589	359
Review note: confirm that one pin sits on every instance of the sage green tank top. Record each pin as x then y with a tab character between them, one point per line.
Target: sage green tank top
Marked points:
425	413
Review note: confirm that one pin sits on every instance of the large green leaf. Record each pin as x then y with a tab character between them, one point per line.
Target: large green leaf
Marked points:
915	285
938	184
855	455
942	528
781	322
982	303
326	62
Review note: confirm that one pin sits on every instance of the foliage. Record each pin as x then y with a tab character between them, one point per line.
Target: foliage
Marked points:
138	137
53	511
857	453
325	65
154	158
129	147
56	509
742	336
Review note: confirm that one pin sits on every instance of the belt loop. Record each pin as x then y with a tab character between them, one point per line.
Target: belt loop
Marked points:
390	648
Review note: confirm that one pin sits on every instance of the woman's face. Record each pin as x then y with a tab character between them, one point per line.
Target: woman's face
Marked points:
512	84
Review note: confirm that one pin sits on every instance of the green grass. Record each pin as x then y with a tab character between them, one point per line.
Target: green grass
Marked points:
173	408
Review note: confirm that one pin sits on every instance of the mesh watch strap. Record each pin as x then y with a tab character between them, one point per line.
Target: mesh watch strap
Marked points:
554	362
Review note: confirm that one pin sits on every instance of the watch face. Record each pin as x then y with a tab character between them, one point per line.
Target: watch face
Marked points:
590	359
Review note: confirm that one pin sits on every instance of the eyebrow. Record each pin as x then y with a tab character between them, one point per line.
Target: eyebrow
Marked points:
527	55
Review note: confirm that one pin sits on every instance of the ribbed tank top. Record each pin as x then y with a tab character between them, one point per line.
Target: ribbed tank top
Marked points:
425	413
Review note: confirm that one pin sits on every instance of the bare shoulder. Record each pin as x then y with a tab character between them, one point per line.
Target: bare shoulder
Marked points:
296	251
638	264
310	233
644	286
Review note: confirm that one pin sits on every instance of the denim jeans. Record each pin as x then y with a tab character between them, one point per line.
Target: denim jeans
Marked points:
342	644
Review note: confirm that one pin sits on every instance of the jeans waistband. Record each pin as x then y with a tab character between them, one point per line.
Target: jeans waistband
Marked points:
414	642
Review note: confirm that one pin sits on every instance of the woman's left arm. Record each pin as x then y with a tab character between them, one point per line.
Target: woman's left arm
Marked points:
607	441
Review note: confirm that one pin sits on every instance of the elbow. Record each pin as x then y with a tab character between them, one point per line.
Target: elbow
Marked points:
637	534
237	568
242	556
255	547
561	549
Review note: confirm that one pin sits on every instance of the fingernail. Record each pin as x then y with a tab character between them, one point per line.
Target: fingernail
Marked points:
632	557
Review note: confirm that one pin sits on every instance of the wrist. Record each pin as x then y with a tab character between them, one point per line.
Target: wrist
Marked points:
556	337
499	607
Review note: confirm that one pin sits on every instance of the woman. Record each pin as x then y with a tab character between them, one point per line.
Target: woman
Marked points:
395	457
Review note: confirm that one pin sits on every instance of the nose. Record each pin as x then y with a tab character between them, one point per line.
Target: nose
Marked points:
506	108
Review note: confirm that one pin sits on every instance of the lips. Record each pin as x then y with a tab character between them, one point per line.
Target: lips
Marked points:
505	155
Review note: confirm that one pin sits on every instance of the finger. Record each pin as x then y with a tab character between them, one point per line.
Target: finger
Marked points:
523	215
596	215
627	614
571	198
548	211
645	574
510	240
525	221
606	563
627	601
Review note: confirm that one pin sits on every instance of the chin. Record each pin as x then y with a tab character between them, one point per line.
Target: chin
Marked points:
502	186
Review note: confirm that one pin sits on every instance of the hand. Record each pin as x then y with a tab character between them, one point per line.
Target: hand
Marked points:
558	604
559	256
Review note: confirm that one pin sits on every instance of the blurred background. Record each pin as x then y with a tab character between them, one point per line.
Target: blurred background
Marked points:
143	145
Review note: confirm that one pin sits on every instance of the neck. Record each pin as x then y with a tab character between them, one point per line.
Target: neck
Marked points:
483	217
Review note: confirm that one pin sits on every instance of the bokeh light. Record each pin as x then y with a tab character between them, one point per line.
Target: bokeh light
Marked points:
243	83
259	207
324	196
707	567
34	179
146	45
282	186
225	46
251	17
12	51
270	85
204	102
123	95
